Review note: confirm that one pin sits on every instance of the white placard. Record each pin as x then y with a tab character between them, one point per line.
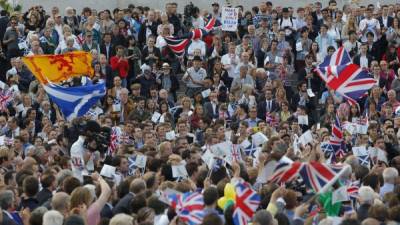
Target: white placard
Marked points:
116	107
340	195
221	149
306	138
278	59
155	117
245	144
259	138
359	151
208	157
310	93
229	18
206	93
170	135
302	120
107	171
2	140
179	171
228	135
19	108
141	161
2	85
299	46
362	129
22	45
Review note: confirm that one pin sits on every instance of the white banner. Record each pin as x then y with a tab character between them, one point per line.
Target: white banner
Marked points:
229	18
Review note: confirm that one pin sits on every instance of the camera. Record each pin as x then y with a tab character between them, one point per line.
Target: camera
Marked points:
101	139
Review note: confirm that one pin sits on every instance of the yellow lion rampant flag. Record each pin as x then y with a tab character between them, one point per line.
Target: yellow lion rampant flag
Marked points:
58	68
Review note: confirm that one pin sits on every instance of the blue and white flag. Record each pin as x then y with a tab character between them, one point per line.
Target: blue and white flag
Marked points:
75	101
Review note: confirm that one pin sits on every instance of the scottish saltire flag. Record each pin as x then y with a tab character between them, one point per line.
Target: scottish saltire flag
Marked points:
247	201
75	101
250	150
218	163
188	206
346	78
286	172
363	160
320	176
132	165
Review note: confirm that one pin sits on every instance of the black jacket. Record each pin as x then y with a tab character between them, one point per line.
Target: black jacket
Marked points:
142	32
111	52
262	108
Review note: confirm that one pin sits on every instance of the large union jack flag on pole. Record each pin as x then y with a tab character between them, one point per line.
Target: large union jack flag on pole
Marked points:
247	201
344	77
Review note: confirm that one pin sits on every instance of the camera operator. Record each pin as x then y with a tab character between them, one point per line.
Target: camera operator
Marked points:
84	150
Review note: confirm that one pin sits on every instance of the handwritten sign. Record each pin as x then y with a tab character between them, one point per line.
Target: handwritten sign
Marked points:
229	18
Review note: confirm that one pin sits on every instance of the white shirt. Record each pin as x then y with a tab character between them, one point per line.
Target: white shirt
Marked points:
77	160
160	42
197	44
198	75
230	61
287	23
363	61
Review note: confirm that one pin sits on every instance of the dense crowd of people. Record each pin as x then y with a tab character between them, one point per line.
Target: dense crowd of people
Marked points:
171	108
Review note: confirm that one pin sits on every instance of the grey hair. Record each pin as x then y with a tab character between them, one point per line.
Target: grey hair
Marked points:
53	217
6	199
62	175
390	174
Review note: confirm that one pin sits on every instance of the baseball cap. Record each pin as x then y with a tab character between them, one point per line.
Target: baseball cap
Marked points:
285	10
215	4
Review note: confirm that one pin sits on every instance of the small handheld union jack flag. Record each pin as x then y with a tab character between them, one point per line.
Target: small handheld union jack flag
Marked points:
247	202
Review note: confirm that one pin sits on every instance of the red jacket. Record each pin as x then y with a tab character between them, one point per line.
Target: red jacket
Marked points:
121	67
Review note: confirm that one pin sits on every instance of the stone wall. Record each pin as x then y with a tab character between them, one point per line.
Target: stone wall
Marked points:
159	4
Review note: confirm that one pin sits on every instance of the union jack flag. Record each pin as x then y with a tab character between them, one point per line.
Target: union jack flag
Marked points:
344	77
236	154
271	119
5	98
178	44
337	131
112	148
317	175
338	58
286	172
247	201
188	206
352	189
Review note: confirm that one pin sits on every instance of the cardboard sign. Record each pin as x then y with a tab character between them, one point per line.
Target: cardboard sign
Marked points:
229	18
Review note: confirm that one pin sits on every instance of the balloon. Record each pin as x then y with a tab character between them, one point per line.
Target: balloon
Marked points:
228	198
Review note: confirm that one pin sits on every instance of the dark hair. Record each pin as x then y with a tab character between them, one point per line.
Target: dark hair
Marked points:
70	183
210	195
47	180
212	218
31	186
371	180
